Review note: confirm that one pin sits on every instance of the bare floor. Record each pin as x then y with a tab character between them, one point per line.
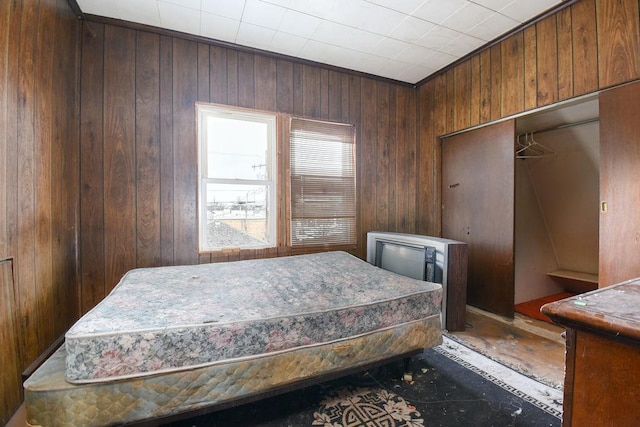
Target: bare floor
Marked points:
527	345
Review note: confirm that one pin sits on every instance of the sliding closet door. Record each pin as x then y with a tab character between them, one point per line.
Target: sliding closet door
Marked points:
478	193
619	185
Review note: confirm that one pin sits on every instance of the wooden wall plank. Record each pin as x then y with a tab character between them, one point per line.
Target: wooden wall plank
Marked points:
547	46
13	352
382	145
43	150
392	208
266	83
10	354
311	94
425	159
298	90
119	152
451	101
31	321
496	82
565	54
324	94
462	78
476	91
585	48
232	77
356	118
284	86
346	98
512	56
185	56
246	80
618	41
147	149
218	74
166	144
204	71
367	145
486	84
66	158
404	168
5	15
440	105
334	93
93	287
530	68
410	139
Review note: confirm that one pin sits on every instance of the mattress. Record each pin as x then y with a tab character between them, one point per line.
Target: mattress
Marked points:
52	401
168	319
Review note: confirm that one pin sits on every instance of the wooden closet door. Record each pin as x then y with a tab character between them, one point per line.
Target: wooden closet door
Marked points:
478	199
619	251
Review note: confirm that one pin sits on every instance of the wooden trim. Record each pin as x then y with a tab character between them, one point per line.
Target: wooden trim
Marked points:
457	265
284	187
73	4
570	364
42	358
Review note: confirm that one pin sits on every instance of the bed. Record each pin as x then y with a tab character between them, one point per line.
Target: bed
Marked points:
186	339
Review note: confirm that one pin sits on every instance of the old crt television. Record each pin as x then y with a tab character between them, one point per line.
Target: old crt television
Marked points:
432	259
413	260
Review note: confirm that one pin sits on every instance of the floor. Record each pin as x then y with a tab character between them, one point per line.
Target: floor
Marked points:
509	341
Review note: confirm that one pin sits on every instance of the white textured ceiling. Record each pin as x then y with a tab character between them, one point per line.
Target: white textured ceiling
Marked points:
405	40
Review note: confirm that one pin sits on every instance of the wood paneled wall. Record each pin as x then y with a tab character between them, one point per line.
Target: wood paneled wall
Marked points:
586	47
97	141
138	143
39	47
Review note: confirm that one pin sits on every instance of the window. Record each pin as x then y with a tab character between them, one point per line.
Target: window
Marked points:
237	185
323	184
242	196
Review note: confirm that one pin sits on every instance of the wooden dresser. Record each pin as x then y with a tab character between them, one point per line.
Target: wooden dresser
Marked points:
602	379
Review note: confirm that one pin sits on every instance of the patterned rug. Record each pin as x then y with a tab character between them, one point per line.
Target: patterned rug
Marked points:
450	385
357	406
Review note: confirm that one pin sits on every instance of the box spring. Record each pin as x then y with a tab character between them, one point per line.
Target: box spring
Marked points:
50	400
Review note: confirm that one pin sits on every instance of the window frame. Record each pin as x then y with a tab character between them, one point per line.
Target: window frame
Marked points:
206	110
281	179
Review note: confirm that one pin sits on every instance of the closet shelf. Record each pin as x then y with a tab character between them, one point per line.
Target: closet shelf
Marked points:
575	275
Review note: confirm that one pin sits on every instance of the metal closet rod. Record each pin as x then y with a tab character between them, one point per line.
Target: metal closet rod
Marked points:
568	125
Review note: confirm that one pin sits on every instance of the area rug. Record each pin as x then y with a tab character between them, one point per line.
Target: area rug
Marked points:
450	385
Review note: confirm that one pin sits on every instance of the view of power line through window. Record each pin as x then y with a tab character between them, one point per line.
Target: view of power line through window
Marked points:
238	207
237	182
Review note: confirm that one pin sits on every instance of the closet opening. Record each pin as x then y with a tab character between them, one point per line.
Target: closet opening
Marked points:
557	205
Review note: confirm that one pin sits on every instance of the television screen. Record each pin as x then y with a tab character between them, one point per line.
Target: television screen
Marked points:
412	261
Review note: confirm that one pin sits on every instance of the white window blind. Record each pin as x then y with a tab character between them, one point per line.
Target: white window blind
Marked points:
323	183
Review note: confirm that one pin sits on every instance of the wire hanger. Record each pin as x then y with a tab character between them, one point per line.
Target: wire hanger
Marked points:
531	149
